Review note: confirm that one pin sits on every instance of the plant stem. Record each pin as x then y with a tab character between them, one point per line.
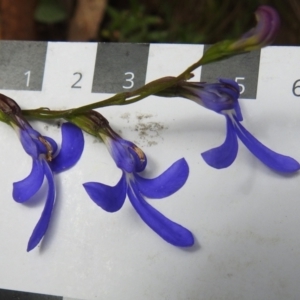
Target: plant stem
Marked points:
124	98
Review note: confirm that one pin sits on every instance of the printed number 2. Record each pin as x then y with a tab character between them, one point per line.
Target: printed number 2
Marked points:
75	86
28	77
242	87
130	80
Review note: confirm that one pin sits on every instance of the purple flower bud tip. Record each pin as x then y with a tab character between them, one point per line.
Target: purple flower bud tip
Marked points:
268	23
263	34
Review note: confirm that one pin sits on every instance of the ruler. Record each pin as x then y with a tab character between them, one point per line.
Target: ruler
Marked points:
111	67
245	218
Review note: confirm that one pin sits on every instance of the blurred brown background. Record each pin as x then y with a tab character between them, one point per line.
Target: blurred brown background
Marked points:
171	21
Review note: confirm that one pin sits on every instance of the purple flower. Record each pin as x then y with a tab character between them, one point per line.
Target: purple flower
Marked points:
222	98
45	161
224	155
132	160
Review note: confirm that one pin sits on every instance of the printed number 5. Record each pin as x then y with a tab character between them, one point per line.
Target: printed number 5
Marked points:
130	80
242	87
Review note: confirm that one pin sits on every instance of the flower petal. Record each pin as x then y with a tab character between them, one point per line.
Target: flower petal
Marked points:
52	143
273	160
109	198
23	190
41	144
170	231
127	156
28	144
118	149
167	183
71	148
42	225
238	112
224	155
139	157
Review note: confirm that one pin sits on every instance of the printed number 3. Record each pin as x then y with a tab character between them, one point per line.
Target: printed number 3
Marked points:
129	80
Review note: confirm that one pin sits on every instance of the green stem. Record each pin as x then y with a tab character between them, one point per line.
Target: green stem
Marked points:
216	52
252	40
124	98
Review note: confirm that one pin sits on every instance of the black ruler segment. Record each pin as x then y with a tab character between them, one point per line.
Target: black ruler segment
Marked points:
10	295
242	68
22	65
120	67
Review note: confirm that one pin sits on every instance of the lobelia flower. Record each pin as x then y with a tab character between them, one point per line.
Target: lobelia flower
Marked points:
132	160
45	161
222	98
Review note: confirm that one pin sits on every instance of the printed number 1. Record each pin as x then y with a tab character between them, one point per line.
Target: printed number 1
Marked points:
28	77
130	80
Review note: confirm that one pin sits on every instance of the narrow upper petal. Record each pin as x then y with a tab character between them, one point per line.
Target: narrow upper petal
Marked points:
28	143
71	148
139	157
42	225
167	183
23	190
52	143
224	155
238	112
127	156
109	198
170	231
273	160
118	149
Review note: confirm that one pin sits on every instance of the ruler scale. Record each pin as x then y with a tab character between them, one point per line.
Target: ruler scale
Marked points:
117	67
245	218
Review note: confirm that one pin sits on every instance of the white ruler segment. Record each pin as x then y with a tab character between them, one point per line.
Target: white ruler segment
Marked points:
245	218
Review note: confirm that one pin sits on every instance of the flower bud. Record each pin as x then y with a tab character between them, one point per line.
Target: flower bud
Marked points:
263	34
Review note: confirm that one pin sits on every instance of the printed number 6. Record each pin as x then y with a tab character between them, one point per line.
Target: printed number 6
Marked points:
242	87
295	86
130	80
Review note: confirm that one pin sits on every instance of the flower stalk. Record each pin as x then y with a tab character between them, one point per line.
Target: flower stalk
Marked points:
261	35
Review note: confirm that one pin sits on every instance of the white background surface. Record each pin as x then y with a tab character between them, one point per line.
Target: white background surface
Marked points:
245	218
